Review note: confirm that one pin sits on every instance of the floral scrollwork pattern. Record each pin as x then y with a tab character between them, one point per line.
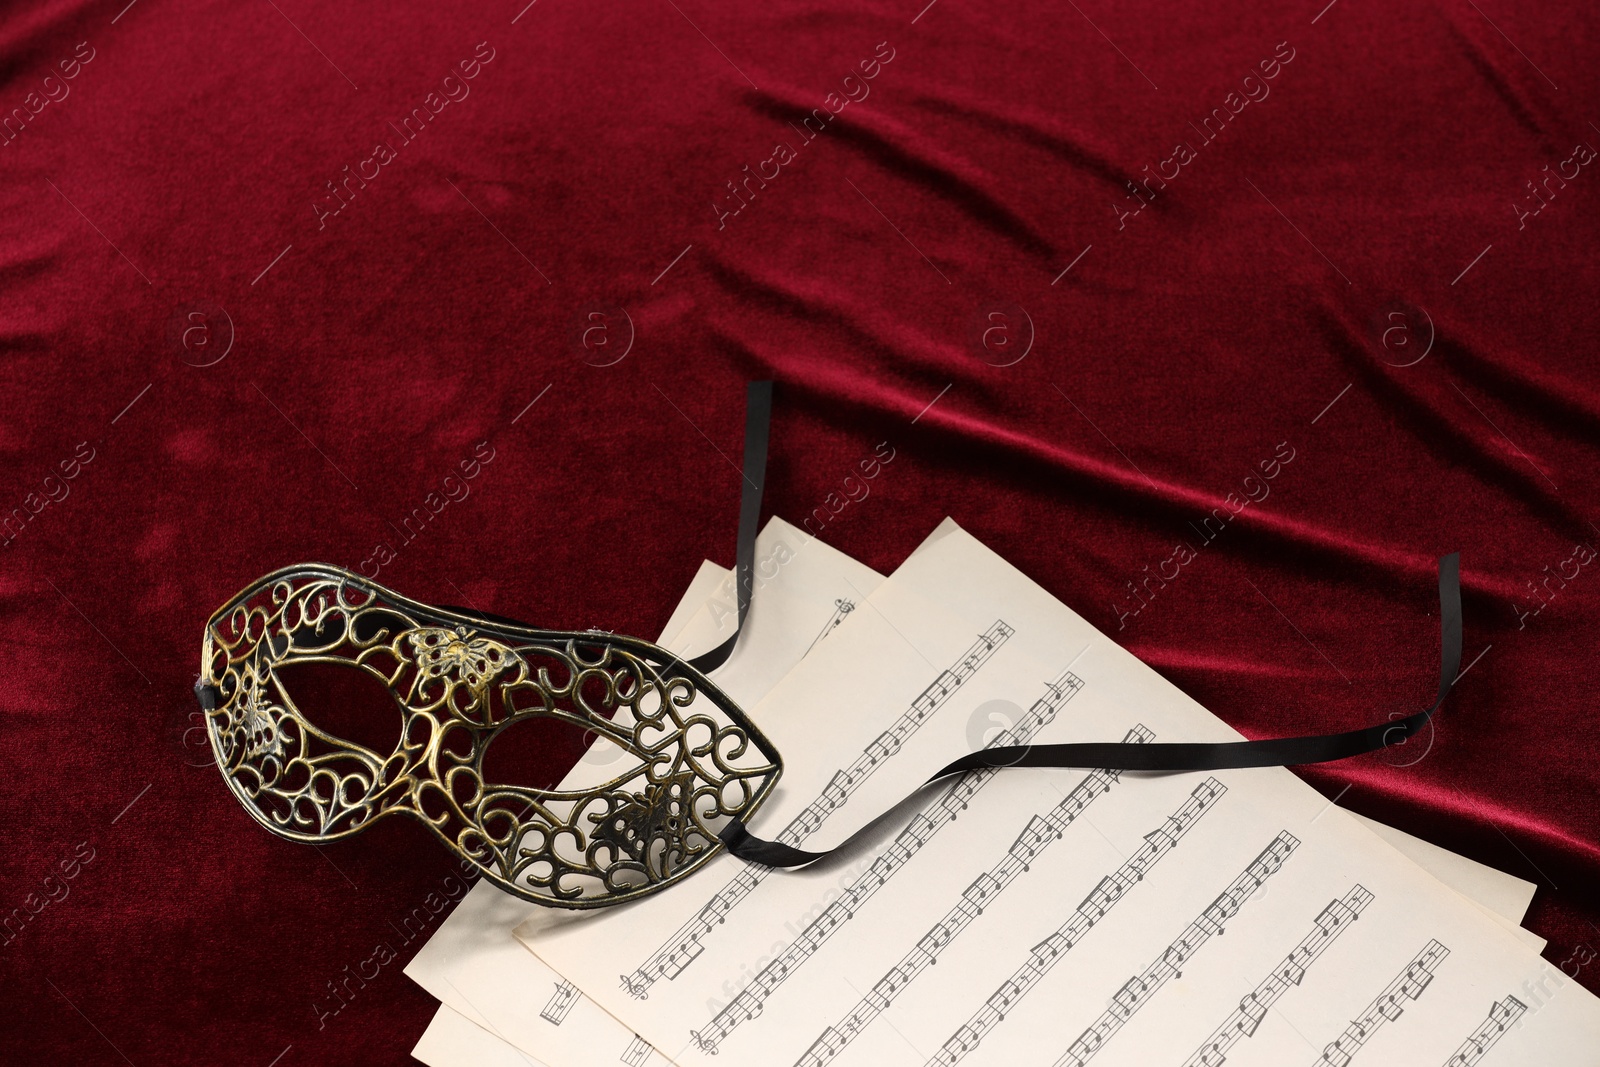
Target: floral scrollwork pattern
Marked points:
682	758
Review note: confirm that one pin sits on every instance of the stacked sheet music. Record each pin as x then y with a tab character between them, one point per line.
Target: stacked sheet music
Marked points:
1034	916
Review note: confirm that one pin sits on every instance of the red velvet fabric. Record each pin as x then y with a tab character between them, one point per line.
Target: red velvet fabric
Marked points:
242	368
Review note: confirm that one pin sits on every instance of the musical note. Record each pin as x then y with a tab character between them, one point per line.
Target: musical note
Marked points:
1503	1013
837	791
1088	1043
1066	815
827	924
829	1045
1360	1028
1418	975
1291	970
1035	837
1335	915
934	940
891	983
1104	896
1008	994
1175	956
1389	1006
637	1052
1219	911
961	1042
1046	952
983	888
745	1006
1130	995
555	1012
882	747
1335	1056
810	820
669	960
1252	1010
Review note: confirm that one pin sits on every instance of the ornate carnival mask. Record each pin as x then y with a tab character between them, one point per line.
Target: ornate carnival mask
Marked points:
690	761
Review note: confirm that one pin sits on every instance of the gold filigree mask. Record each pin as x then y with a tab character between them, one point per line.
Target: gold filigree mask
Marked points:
690	761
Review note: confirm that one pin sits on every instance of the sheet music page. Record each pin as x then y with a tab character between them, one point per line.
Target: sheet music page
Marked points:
1050	916
526	998
474	966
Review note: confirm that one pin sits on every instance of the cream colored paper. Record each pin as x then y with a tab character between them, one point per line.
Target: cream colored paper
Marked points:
772	973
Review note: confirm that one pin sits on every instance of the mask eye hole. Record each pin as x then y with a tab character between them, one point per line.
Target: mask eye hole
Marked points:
345	701
539	751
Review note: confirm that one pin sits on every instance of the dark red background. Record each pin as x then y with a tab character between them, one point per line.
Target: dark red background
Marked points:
379	349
